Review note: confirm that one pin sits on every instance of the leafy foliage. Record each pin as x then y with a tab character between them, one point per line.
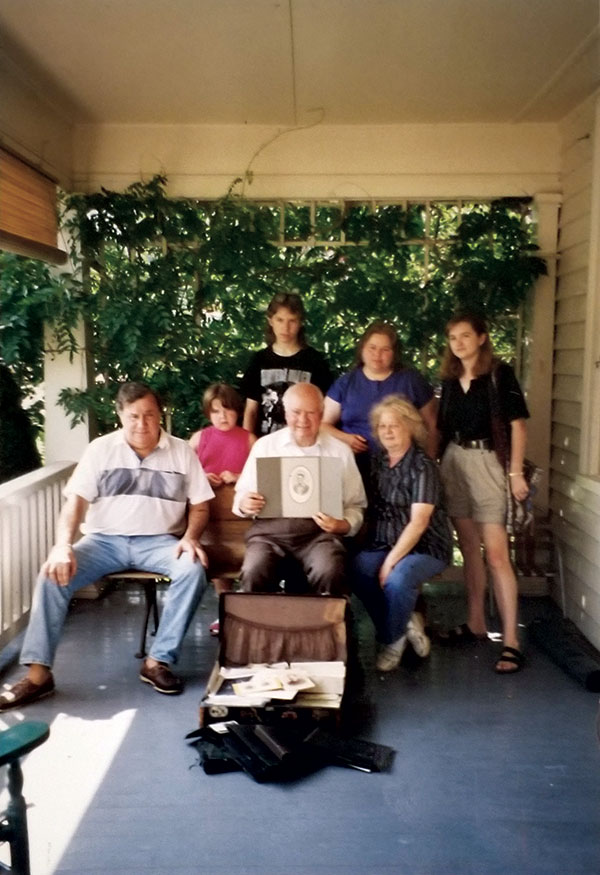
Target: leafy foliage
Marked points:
30	296
177	289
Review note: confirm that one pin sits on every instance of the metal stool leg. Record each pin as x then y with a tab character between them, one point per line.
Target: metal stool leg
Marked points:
151	606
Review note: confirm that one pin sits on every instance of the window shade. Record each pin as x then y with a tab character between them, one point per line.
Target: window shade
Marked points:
28	212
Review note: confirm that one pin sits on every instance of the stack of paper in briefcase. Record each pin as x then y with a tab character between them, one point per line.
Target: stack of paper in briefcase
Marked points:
280	652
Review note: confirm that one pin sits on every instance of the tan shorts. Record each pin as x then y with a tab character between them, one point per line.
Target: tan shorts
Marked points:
475	485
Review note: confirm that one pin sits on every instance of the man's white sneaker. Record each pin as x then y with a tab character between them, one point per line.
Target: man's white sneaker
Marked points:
418	638
390	656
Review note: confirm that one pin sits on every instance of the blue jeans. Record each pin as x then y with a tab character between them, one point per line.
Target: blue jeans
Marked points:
390	607
98	555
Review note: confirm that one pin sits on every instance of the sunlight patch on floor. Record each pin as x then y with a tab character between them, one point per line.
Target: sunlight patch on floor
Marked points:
63	776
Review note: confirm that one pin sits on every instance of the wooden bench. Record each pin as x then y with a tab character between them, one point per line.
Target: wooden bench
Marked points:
224	536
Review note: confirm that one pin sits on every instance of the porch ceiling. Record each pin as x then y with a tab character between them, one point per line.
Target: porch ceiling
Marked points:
293	62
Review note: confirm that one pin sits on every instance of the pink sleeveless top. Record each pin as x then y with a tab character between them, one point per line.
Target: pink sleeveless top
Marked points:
223	450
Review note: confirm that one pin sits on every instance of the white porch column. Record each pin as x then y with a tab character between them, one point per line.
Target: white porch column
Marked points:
541	330
62	442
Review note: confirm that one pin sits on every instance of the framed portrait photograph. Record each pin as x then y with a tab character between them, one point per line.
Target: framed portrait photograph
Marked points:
300	486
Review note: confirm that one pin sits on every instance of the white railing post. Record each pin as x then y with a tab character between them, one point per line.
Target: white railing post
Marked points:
29	509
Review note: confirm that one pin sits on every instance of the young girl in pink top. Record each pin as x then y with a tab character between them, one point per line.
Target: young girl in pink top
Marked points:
222	448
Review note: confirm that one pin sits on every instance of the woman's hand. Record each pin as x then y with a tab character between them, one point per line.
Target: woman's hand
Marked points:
357	443
214	479
386	569
332	413
519	487
420	516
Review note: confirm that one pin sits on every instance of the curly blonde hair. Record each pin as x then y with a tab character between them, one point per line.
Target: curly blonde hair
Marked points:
405	411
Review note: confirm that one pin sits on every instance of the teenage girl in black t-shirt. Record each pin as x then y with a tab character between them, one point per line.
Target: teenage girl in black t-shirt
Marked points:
474	479
287	359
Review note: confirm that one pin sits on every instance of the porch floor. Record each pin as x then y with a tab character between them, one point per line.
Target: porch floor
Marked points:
492	774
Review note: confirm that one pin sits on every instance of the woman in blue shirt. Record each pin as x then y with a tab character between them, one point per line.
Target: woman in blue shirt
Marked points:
378	372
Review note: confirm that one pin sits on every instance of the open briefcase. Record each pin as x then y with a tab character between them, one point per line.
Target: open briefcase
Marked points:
280	656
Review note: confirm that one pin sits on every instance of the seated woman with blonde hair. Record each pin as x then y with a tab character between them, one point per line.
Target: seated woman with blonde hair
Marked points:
408	535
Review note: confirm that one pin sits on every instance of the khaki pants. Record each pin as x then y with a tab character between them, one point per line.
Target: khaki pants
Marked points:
474	483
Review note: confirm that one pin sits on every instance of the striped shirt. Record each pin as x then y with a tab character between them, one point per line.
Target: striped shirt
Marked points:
132	496
412	480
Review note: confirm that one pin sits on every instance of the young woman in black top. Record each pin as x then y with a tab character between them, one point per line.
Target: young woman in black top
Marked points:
476	387
287	359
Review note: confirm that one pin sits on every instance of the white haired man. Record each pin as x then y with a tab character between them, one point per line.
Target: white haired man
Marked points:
317	542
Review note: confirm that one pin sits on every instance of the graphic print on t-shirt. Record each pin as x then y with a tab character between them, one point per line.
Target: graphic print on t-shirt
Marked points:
274	382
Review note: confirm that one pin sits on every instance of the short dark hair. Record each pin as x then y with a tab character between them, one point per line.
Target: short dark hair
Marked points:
392	335
226	394
130	392
292	302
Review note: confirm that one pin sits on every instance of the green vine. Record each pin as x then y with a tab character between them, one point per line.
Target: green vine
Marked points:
175	289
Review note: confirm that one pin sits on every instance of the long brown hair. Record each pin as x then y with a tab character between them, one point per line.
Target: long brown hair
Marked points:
388	331
291	302
451	364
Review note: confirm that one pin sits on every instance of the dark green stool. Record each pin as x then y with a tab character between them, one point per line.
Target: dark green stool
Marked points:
14	744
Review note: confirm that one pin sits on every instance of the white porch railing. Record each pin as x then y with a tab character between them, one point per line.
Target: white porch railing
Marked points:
29	509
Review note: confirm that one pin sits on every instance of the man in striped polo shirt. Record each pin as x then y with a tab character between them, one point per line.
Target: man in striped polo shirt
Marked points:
140	497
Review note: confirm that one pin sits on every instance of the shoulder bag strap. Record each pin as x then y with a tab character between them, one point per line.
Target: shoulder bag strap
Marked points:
499	433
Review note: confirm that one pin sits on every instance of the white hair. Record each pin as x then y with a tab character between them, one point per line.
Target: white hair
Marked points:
303	389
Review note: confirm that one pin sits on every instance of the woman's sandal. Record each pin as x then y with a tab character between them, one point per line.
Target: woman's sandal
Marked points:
461	635
511	655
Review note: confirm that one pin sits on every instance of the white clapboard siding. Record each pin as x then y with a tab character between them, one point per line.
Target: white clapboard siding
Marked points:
570	335
568	361
574	502
571	309
566	412
566	437
572	284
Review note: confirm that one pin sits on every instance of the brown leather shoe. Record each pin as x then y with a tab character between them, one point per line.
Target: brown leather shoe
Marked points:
24	692
161	678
